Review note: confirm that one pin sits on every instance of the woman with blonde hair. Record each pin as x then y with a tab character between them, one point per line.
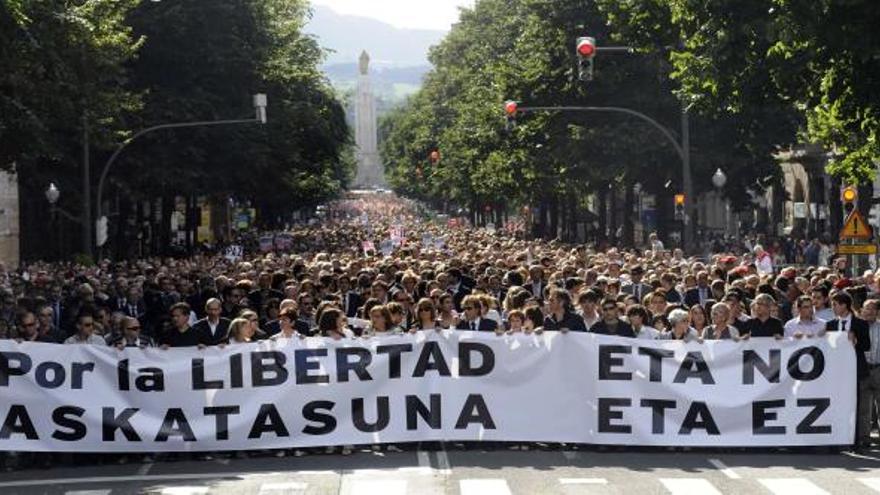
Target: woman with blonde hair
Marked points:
240	331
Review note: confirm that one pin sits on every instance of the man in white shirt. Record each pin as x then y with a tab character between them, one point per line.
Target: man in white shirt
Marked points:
805	324
85	328
587	301
821	307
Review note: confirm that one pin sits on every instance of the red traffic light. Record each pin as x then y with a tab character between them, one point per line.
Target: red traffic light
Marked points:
586	47
510	108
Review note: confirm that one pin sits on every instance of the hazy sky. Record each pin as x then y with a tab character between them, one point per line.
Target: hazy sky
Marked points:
420	14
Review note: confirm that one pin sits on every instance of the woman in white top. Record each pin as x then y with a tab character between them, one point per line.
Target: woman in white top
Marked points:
638	316
426	316
380	321
516	319
447	317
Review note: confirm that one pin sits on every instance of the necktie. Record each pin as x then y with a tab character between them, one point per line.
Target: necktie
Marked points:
637	291
842	325
473	325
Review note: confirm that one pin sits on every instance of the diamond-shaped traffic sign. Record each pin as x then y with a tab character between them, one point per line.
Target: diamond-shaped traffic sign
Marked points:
855	227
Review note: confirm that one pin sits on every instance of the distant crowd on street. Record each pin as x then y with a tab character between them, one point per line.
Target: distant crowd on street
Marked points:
335	281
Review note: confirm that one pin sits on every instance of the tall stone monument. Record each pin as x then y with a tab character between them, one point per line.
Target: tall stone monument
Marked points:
370	172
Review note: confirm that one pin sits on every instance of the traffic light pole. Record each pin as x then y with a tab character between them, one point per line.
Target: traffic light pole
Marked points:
683	150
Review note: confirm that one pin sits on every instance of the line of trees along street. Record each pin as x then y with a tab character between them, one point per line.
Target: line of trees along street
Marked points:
107	68
744	74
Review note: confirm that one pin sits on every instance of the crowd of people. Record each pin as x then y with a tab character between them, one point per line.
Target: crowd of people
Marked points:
440	278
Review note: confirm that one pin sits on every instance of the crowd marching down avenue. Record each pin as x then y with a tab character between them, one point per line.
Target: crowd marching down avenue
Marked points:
377	267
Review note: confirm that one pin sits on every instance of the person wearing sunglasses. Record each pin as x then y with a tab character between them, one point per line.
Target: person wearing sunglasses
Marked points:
472	320
131	335
611	324
85	331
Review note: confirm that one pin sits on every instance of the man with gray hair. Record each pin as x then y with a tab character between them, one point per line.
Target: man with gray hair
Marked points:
762	324
213	325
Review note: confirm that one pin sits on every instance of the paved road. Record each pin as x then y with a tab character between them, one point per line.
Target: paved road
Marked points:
474	472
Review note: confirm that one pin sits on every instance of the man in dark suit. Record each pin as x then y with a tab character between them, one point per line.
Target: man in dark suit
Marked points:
458	290
472	320
215	328
699	294
536	283
351	300
636	287
860	336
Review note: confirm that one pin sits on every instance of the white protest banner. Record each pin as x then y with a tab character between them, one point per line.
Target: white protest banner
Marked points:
449	385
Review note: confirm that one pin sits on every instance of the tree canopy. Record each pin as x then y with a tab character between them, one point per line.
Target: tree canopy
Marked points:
524	50
117	66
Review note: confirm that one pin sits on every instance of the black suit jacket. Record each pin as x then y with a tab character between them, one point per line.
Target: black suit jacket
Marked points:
486	325
354	302
458	296
220	336
692	296
863	342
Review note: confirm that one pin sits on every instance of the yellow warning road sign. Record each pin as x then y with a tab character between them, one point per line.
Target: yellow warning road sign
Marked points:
855	227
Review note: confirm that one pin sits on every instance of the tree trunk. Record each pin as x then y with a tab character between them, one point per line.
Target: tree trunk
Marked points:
612	217
628	222
602	213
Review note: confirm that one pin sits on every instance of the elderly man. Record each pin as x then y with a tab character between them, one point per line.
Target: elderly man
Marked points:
763	324
213	325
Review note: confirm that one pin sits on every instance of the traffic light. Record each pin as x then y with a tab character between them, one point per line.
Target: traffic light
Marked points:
679	207
849	196
586	50
510	109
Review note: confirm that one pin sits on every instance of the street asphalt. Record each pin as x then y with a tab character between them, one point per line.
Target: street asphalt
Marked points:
451	470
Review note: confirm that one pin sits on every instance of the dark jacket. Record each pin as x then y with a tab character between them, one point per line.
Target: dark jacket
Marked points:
692	296
353	304
486	325
219	336
570	321
863	342
622	329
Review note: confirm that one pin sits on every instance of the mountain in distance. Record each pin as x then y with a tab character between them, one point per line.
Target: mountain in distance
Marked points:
398	57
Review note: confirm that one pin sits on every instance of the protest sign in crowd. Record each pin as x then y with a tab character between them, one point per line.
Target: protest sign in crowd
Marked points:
374	269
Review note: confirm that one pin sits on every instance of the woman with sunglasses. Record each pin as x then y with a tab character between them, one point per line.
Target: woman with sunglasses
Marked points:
426	316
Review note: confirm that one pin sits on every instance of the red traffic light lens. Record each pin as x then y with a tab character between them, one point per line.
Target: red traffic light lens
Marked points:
510	108
586	49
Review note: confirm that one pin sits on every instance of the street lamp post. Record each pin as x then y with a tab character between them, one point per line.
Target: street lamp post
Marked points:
719	180
52	194
681	148
260	103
